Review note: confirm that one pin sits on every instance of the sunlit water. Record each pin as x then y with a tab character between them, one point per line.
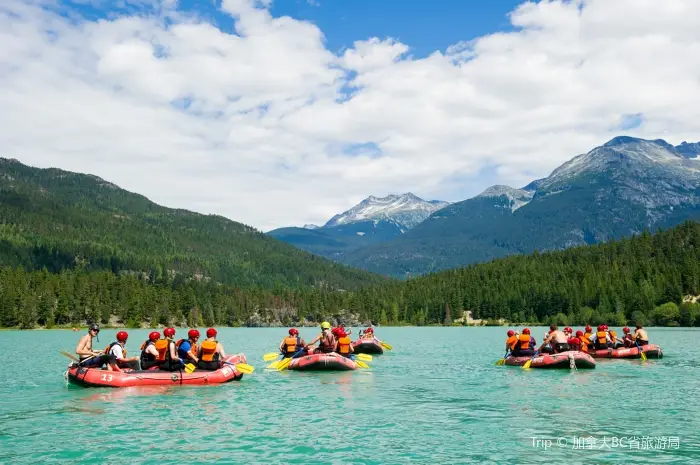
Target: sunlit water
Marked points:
437	398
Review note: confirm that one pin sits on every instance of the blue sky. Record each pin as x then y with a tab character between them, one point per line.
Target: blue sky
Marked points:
425	26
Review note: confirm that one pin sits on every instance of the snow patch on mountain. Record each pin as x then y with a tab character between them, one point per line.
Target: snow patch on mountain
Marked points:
517	197
311	226
406	210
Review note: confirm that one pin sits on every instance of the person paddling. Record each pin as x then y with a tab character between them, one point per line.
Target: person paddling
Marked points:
585	342
523	346
211	352
187	348
627	339
368	334
167	352
326	340
117	349
90	358
601	338
556	339
292	344
344	344
149	353
511	340
640	335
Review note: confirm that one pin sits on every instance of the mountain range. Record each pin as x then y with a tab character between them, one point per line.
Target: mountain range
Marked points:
618	189
374	220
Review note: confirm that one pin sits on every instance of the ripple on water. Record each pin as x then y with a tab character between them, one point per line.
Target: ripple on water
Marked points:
444	403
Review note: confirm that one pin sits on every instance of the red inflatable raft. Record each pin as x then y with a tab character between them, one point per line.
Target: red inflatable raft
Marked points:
650	350
368	346
565	360
97	377
322	362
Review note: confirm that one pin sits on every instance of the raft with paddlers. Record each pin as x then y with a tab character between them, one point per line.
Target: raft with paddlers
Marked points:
322	362
649	350
564	360
97	377
368	346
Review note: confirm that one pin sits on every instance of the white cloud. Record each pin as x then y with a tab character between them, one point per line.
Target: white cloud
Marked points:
252	126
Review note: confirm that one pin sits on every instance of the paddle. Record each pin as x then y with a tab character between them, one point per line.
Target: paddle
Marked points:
284	363
529	362
273	365
74	358
644	356
385	345
271	356
358	362
503	360
365	357
242	367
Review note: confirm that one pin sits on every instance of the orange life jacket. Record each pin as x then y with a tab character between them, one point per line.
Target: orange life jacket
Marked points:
109	347
208	350
344	345
601	339
584	343
511	341
290	344
588	336
524	341
163	346
613	335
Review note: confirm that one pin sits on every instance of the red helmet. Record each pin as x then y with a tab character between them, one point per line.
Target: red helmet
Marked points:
526	331
293	332
154	336
169	332
568	330
122	336
606	327
211	332
579	333
193	333
601	327
588	329
511	333
625	330
336	332
369	330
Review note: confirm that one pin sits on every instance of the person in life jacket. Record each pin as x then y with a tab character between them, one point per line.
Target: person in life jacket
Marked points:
523	344
557	340
168	360
511	340
615	342
601	338
187	348
627	339
368	333
292	344
640	335
574	342
117	350
90	358
589	333
149	353
326	340
344	344
584	342
211	352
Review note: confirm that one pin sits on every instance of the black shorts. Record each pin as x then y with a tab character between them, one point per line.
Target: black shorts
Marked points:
561	347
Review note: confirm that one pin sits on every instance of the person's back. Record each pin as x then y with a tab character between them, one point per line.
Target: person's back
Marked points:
167	352
211	352
640	336
292	344
344	345
601	341
511	340
522	345
583	340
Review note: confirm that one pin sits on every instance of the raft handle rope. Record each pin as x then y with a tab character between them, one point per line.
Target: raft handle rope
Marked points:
572	363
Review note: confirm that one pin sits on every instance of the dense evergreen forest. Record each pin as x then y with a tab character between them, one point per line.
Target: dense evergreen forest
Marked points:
640	279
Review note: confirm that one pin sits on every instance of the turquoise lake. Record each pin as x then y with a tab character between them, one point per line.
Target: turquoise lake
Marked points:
436	398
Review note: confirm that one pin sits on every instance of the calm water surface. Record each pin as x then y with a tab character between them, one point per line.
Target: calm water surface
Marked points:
437	398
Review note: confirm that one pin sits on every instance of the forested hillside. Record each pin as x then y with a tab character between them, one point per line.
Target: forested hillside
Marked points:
60	220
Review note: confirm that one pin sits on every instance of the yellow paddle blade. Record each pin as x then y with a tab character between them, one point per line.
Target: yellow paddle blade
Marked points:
189	368
271	356
385	345
273	365
501	362
527	364
245	368
365	357
361	364
283	364
644	356
69	355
